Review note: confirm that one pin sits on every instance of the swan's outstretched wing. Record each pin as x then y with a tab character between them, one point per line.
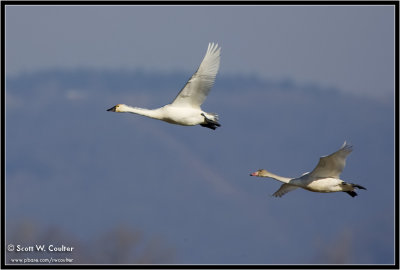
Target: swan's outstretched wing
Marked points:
196	89
332	165
285	188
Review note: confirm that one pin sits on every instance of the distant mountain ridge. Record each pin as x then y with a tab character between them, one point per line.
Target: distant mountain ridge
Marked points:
120	79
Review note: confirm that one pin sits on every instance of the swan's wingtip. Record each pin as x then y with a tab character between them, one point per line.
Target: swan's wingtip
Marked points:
347	146
213	46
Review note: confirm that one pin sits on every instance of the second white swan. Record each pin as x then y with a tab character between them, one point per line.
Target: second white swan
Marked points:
324	177
185	109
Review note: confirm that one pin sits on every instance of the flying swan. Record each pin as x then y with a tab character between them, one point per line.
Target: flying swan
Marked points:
185	108
324	177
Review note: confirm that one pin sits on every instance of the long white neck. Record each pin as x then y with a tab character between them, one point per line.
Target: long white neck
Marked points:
277	177
156	113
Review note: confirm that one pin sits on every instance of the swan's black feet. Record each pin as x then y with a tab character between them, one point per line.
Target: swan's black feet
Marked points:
210	123
358	186
351	193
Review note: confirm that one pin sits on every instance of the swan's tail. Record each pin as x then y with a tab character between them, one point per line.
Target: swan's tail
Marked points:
210	120
213	116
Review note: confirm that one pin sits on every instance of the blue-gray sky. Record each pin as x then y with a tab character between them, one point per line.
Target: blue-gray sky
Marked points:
294	83
347	47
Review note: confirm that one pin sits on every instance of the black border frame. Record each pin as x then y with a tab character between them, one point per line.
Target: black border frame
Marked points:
200	266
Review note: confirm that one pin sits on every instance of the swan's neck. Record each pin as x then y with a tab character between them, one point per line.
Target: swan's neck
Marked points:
279	178
156	113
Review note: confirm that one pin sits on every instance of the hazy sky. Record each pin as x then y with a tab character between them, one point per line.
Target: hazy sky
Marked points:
346	47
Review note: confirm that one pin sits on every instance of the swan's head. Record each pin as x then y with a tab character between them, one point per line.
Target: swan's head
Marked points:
117	108
260	173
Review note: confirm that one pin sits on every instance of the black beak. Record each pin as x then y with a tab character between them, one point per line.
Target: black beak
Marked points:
111	109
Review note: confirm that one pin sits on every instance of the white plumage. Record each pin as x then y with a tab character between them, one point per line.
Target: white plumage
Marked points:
324	178
186	107
197	88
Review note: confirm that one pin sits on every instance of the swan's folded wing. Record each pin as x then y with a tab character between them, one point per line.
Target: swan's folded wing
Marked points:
285	188
332	165
197	88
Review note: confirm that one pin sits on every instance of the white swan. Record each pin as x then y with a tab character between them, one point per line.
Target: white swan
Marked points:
185	109
324	178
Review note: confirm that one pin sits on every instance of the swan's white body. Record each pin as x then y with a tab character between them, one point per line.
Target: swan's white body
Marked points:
185	109
324	177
